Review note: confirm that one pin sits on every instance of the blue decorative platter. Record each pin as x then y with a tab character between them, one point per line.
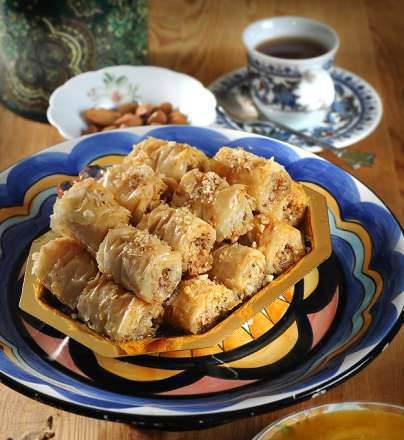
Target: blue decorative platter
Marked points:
314	336
355	113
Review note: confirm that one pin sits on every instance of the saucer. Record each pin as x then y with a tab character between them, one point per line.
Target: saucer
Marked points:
355	113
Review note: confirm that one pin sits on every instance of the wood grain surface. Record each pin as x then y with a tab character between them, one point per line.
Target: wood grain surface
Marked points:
203	38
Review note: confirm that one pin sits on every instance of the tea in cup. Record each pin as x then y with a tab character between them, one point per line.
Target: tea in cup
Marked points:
289	64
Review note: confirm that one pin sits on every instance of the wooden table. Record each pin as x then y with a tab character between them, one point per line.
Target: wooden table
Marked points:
203	38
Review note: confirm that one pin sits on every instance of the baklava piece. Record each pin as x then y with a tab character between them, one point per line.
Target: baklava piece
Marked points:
282	245
86	212
191	236
135	186
198	304
140	262
64	267
169	158
292	208
228	208
240	268
266	181
110	310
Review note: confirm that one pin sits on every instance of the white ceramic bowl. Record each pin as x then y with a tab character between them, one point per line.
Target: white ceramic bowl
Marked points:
112	86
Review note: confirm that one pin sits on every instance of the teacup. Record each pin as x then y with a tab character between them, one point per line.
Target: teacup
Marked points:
295	91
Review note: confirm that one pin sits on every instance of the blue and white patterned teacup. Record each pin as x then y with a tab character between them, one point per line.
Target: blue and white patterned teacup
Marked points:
295	92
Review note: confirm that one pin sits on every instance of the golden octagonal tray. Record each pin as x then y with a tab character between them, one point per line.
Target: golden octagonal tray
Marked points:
316	229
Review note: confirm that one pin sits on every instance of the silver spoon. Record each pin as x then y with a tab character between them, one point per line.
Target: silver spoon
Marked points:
244	121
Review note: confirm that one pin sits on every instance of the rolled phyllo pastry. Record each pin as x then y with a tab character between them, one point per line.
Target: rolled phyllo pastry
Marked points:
266	181
169	158
282	245
198	304
86	212
110	310
191	236
292	208
135	186
240	268
228	208
64	267
140	262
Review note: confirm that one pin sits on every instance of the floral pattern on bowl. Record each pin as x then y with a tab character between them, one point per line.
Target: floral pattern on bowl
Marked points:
116	89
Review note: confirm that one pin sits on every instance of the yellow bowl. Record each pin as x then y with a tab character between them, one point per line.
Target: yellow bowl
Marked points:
346	420
316	228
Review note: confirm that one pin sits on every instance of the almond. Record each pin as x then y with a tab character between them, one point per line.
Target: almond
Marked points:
144	110
166	107
177	118
157	117
129	120
130	107
90	129
101	116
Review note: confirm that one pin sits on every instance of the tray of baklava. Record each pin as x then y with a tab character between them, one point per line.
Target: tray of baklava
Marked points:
170	249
